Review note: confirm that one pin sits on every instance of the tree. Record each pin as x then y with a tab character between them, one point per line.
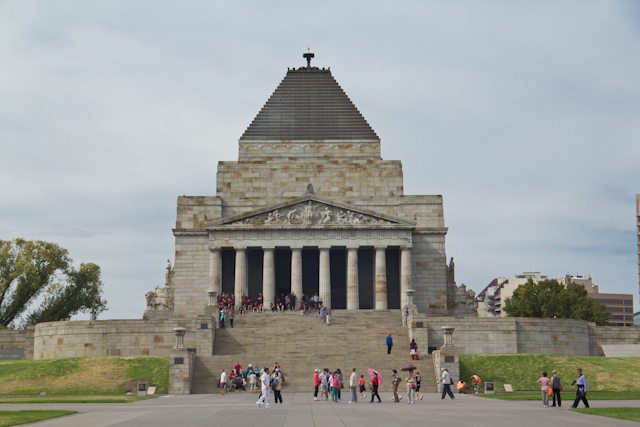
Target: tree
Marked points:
548	298
33	268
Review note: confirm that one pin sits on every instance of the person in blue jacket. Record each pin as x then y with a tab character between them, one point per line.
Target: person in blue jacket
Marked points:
389	344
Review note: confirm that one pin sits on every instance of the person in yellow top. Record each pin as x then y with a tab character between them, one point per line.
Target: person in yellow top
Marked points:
475	380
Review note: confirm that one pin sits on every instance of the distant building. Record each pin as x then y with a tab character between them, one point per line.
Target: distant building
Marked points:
636	319
620	305
490	301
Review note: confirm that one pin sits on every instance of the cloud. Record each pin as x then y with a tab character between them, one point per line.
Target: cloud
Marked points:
523	115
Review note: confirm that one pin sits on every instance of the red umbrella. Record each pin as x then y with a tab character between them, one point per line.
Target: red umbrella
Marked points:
408	368
373	373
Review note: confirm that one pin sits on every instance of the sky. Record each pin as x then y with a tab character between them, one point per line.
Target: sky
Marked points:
524	116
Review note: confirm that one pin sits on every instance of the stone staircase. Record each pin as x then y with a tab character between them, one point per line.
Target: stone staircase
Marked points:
300	344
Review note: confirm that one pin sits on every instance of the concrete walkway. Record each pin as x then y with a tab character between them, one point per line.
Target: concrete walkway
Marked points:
299	410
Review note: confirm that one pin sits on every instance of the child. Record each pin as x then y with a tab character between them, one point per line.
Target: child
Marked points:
328	315
418	380
361	383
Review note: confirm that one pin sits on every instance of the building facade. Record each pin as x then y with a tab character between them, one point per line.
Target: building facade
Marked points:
310	207
491	301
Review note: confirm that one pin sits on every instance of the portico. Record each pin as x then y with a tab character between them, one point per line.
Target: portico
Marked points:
321	246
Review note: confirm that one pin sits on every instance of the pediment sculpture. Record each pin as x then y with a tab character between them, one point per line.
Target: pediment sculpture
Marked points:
311	213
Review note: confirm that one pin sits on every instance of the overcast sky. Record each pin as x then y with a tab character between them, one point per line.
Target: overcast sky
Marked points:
525	116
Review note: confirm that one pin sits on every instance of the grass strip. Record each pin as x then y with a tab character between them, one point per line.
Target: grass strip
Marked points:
523	370
82	376
567	396
631	414
73	399
13	418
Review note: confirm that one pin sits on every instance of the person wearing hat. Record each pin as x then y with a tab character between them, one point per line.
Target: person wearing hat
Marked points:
389	343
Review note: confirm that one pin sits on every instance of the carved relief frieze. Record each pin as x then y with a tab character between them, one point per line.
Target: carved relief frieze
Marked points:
311	213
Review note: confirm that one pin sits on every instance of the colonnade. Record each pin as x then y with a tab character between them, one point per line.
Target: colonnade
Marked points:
241	283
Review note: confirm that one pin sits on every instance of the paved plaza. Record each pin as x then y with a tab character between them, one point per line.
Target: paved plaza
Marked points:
299	410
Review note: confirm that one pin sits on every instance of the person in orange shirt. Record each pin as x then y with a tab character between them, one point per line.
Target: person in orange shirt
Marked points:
361	383
475	380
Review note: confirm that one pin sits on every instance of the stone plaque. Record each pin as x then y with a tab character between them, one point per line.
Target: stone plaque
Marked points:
489	388
449	359
178	361
204	326
419	324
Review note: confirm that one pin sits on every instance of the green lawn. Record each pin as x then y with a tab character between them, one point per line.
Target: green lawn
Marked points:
12	418
72	399
615	374
567	395
80	376
631	414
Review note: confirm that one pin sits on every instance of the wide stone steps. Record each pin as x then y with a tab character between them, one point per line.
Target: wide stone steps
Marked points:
298	370
301	344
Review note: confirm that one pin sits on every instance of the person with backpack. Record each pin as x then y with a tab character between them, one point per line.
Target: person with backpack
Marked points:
446	384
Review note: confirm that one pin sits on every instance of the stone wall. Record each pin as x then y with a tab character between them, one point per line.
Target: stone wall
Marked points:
429	275
12	344
510	335
191	275
181	365
623	350
94	338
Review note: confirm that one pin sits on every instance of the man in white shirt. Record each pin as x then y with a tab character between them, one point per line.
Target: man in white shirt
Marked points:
223	381
264	379
353	383
446	383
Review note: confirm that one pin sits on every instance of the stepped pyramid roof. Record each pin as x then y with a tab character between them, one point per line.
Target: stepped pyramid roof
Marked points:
309	105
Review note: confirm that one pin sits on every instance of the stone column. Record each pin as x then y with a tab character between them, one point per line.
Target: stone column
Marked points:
381	278
268	278
325	277
215	270
241	284
353	291
296	273
405	274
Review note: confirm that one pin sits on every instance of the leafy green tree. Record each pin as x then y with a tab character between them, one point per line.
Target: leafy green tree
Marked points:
33	268
548	298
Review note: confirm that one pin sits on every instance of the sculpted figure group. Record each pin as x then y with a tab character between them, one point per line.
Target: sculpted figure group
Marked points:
308	215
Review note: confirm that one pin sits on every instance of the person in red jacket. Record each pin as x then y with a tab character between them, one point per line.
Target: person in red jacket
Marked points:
374	387
316	383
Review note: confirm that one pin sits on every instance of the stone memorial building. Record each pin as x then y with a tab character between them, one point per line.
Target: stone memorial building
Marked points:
311	207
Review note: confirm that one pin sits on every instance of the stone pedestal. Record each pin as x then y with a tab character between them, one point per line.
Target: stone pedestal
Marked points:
447	357
181	363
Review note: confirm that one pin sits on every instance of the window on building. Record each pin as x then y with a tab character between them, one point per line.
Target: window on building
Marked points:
616	317
628	310
615	309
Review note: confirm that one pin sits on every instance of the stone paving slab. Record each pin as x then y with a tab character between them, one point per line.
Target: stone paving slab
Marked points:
299	410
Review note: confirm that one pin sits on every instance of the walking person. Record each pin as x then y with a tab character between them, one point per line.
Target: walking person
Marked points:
264	380
411	387
339	372
446	384
544	381
253	379
389	343
328	315
394	384
222	319
581	393
230	316
374	389
223	381
418	381
413	350
405	316
556	385
353	383
316	384
362	385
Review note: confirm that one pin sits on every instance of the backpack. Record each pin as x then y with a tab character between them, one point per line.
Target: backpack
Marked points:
275	381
